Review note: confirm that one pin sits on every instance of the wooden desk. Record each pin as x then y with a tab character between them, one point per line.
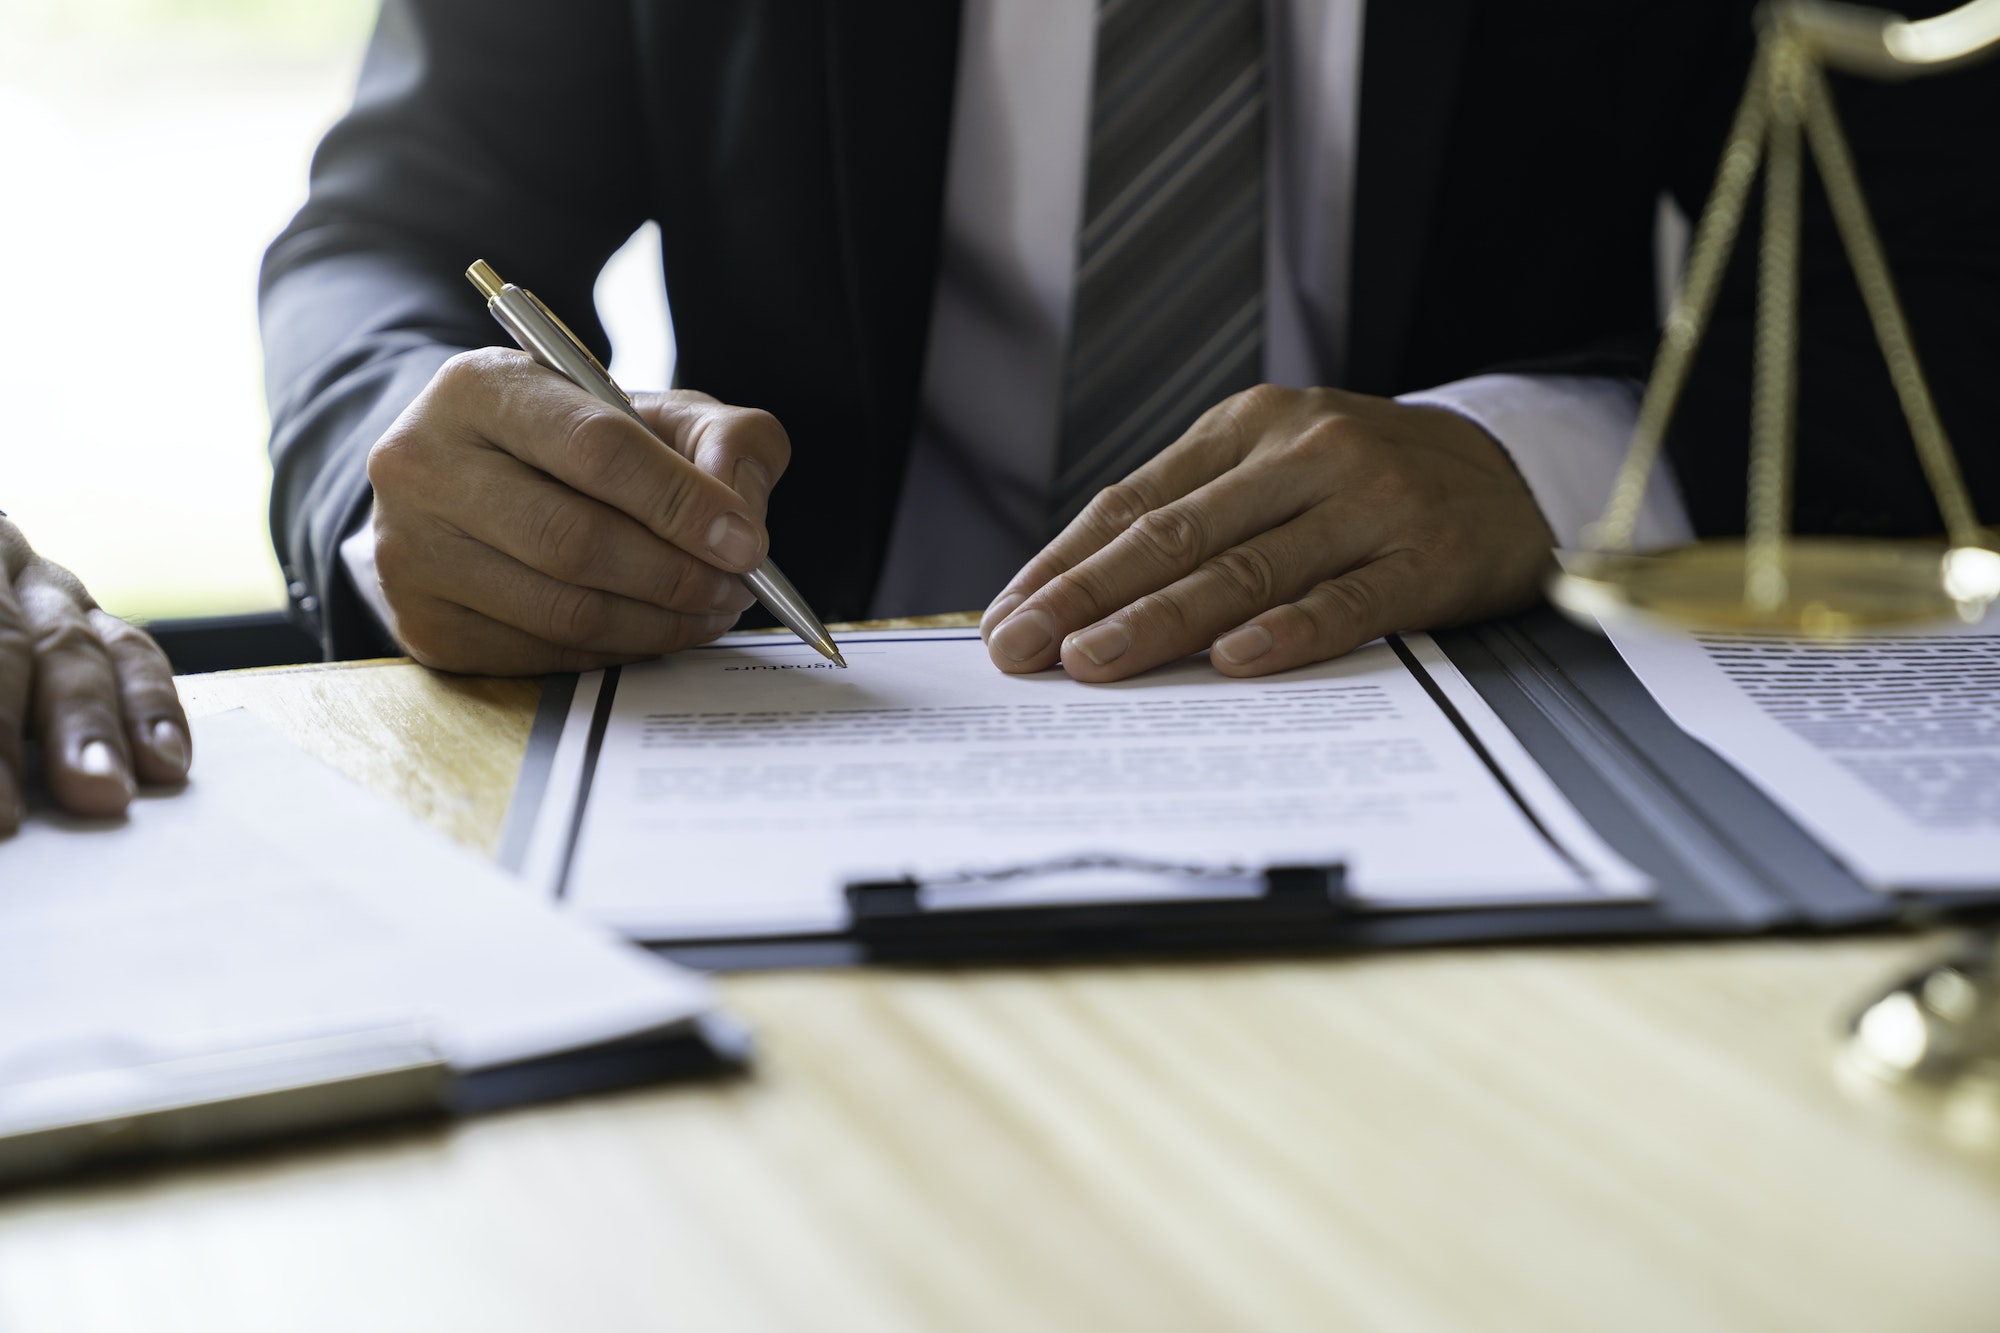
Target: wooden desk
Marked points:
1527	1138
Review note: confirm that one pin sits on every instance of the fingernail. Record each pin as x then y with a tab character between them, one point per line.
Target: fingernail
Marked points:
170	745
1243	645
733	541
99	760
751	481
1024	636
1003	606
1103	644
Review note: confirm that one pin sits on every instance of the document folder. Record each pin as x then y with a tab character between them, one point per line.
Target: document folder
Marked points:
1724	859
274	951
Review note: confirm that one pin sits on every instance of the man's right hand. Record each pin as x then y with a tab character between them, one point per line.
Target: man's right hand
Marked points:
522	526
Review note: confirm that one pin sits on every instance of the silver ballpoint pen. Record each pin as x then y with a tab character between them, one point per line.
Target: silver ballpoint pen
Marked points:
547	339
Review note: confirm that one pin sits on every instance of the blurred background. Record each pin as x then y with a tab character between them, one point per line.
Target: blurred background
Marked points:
149	150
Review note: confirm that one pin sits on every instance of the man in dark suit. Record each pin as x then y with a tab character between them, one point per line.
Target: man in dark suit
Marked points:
858	207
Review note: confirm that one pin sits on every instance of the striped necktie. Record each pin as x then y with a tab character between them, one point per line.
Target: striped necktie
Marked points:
1169	314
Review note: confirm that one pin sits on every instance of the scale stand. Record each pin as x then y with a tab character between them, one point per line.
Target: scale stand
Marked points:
1771	581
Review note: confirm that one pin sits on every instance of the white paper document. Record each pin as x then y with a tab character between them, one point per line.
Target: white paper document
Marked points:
1885	747
275	902
736	789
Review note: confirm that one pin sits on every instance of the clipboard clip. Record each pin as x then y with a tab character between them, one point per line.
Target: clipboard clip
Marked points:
907	917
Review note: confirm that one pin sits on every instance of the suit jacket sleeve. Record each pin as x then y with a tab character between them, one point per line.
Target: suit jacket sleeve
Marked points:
495	129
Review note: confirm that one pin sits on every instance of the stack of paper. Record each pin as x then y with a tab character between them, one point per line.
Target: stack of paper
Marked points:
735	789
1886	746
273	919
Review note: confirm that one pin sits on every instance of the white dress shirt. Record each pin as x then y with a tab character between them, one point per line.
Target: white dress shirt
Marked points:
975	498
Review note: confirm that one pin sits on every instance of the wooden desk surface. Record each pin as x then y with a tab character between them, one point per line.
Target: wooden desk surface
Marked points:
1524	1138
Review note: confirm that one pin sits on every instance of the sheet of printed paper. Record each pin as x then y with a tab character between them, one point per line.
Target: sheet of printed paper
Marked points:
1885	747
274	901
738	787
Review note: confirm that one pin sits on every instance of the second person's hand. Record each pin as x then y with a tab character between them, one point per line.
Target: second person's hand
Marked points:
98	693
522	526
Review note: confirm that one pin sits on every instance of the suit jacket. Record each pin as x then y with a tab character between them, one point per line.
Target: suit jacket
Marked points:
793	152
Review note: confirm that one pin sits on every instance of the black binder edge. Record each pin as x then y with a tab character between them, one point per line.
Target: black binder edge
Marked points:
1727	841
1789	864
531	787
710	1045
409	1084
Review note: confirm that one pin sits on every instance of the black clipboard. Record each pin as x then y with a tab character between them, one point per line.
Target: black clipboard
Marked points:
1724	859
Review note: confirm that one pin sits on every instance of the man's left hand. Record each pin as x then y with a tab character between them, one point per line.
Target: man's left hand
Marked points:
1286	527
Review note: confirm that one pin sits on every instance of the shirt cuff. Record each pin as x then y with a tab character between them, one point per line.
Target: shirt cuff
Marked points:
357	557
1567	435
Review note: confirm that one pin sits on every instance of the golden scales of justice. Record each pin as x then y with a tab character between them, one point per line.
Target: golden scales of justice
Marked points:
1770	581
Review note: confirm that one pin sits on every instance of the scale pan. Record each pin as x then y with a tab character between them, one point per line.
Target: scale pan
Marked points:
1832	587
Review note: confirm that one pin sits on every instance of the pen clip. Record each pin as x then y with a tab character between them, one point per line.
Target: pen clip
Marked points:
577	343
